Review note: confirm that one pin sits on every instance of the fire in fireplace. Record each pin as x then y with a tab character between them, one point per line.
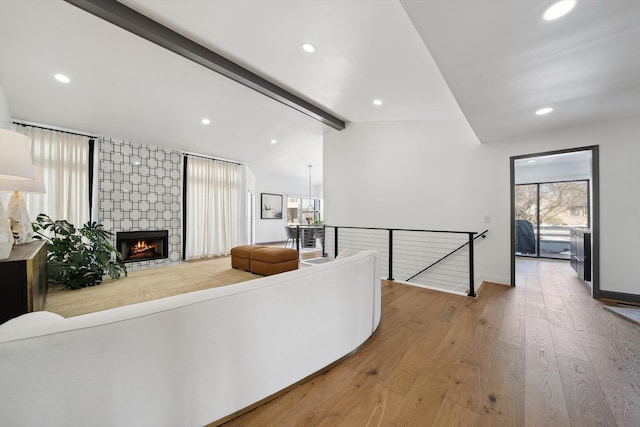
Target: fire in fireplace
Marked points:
143	249
143	245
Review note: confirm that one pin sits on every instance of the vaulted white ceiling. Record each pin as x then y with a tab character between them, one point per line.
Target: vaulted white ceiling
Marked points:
503	61
499	58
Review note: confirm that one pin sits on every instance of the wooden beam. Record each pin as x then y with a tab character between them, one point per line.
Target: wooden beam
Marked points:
145	27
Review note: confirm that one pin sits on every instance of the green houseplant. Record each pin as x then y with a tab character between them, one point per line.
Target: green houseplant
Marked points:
78	257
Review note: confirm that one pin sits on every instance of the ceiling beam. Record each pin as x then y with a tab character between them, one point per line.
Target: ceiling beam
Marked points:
145	27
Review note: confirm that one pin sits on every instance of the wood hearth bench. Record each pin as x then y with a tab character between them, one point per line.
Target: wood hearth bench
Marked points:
264	260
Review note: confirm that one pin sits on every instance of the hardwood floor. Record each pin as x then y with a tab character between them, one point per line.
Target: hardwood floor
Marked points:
541	354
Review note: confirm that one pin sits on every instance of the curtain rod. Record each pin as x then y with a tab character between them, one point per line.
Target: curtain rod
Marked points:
28	124
202	156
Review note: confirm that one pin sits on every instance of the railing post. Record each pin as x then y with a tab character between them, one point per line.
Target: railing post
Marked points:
472	292
390	255
298	238
335	242
324	231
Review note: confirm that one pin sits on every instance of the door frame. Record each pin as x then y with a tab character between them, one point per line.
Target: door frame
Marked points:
595	211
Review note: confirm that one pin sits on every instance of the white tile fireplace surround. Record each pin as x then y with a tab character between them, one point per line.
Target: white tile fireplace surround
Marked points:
140	190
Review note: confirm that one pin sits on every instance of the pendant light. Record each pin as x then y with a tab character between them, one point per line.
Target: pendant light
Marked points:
309	213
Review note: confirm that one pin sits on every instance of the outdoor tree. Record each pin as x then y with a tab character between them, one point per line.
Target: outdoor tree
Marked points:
556	200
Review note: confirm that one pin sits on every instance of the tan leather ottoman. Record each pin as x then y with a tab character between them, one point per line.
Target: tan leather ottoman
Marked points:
240	256
268	261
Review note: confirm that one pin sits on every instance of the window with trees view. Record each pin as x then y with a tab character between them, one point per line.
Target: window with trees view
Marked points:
551	209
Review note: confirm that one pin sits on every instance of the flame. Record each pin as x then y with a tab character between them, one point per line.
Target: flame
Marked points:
142	245
143	248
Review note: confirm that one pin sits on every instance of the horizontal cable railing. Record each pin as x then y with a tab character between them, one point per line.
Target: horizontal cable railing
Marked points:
442	260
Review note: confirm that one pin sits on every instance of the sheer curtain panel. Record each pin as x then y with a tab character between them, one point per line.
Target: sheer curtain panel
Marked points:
212	207
64	159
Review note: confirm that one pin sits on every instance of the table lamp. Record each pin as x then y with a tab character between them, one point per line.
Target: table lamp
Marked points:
15	164
17	208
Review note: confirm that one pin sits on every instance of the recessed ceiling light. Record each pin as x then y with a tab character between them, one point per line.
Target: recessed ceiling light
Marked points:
205	121
308	47
62	78
543	111
273	141
559	9
377	102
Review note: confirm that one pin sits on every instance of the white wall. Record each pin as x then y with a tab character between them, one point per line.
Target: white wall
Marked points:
5	123
434	175
418	174
270	230
273	230
5	114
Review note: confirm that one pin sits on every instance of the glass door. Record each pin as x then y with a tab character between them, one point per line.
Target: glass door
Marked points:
526	208
563	205
545	214
293	210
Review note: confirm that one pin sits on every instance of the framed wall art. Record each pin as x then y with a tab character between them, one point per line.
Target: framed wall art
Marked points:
270	206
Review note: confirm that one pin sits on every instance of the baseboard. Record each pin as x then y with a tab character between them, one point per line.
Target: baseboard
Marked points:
500	280
433	288
619	296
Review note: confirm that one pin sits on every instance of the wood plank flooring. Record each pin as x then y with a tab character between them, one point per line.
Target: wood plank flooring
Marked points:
541	354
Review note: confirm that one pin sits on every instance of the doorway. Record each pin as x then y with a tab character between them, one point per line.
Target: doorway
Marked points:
554	195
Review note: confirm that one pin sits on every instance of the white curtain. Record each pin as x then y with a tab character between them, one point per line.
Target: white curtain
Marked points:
64	159
213	207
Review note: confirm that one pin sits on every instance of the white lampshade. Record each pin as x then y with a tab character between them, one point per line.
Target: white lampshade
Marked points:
15	161
25	185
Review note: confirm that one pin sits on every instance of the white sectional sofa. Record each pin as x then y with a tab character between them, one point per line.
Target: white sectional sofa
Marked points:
190	359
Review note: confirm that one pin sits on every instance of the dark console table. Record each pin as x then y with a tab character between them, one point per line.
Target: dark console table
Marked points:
23	280
580	248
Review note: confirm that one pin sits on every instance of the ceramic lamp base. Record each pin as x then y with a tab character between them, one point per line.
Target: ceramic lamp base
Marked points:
6	237
19	218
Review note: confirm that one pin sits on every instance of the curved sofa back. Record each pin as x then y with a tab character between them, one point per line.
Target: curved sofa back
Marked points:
190	359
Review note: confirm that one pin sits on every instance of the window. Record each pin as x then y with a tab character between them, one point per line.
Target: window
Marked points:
301	208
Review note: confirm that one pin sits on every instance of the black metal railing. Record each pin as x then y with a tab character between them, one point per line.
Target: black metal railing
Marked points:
308	236
447	255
